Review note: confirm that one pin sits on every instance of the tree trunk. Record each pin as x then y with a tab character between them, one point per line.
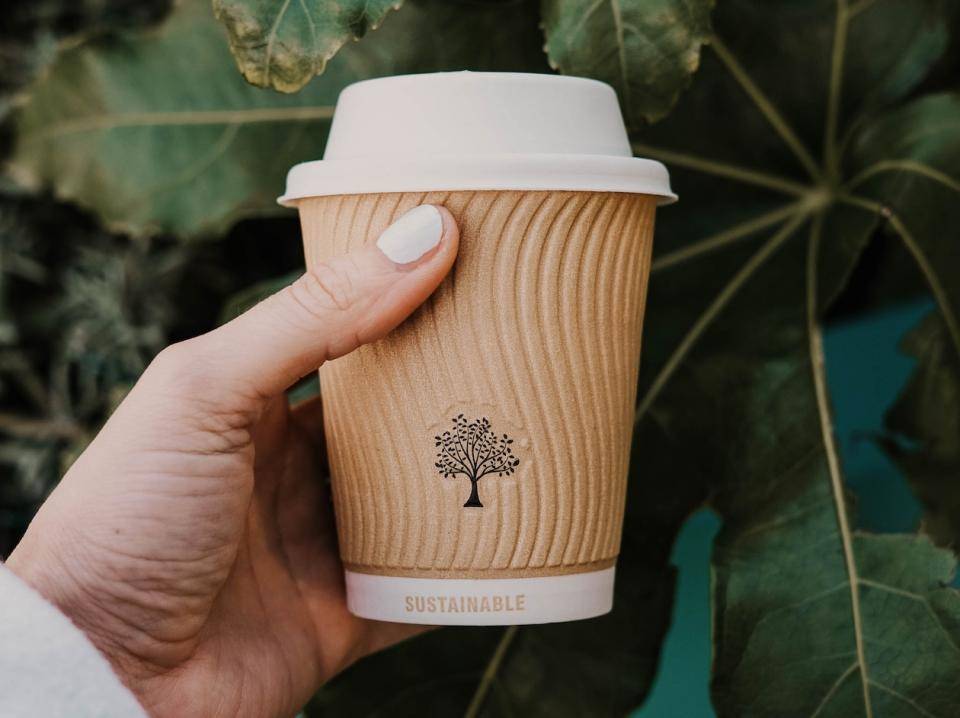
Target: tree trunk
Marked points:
474	499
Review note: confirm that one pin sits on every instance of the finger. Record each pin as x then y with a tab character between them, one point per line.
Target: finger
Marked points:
337	306
268	433
308	415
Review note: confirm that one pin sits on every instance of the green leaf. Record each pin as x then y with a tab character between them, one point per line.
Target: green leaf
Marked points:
764	149
158	133
908	620
116	127
907	167
81	314
33	32
924	429
793	102
283	43
811	616
647	50
743	178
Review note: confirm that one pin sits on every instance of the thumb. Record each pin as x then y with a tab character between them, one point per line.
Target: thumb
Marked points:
331	310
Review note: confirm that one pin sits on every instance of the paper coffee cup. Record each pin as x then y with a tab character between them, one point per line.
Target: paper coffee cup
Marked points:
479	453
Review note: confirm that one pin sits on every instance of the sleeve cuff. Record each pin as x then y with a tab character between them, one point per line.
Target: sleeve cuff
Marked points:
49	666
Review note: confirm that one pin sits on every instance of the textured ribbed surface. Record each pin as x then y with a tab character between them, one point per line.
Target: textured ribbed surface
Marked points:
537	329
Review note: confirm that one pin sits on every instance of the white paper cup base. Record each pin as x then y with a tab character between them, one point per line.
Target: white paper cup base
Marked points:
480	602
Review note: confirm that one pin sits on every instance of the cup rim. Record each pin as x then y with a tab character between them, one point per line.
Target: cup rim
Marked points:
454	75
550	172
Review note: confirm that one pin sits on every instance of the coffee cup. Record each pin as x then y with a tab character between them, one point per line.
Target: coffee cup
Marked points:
479	453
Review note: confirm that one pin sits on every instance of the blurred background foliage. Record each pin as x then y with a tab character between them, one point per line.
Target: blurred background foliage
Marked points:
83	310
816	148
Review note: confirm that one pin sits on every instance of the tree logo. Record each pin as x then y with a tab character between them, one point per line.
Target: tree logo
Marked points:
471	449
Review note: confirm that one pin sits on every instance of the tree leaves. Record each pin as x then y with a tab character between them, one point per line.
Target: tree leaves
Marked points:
924	425
159	133
646	50
909	162
81	314
806	609
31	32
766	148
803	134
908	168
283	43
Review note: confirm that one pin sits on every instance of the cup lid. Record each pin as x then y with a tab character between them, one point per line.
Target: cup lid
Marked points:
475	131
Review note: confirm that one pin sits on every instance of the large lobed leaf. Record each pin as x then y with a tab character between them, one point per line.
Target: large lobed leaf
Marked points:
283	43
32	32
812	617
796	143
159	133
908	163
910	168
789	152
924	430
647	49
154	134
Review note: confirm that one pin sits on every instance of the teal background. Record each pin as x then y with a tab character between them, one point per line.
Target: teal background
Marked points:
865	373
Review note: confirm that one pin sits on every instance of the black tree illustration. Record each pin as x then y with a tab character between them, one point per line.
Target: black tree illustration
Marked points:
471	449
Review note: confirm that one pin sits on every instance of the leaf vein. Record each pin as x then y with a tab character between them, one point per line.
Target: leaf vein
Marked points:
912	166
173	118
830	450
726	237
905	699
833	689
271	38
490	673
767	109
915	597
715	307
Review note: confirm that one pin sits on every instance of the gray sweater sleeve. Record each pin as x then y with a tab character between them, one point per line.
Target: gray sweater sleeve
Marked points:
48	667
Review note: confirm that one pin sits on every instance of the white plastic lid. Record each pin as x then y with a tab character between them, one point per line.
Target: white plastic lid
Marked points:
475	131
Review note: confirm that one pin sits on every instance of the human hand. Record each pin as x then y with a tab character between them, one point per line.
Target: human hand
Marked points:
192	540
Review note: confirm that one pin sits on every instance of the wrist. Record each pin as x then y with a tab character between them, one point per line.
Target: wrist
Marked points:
48	572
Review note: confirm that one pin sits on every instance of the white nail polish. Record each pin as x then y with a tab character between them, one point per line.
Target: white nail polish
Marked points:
413	235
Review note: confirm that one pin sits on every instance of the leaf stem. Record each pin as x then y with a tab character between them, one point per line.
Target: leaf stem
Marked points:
936	288
715	307
271	38
830	449
766	108
727	236
905	166
30	428
830	160
476	703
93	123
722	169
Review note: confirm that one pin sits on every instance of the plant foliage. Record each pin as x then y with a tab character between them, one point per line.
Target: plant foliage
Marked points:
797	134
283	43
